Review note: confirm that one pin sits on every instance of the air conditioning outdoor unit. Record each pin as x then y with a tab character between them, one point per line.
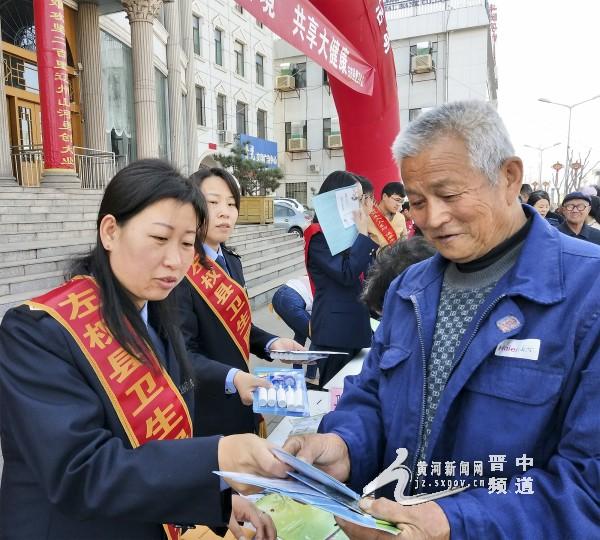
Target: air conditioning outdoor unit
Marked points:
285	83
334	141
228	137
422	63
314	168
297	145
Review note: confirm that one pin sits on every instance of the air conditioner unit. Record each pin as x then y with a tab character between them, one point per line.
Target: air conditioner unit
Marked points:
297	145
285	83
314	168
334	141
228	137
422	63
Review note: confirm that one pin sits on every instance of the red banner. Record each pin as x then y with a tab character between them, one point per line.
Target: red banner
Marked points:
369	124
55	102
302	25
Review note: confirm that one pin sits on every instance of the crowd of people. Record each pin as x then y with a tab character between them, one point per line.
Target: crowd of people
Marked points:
123	389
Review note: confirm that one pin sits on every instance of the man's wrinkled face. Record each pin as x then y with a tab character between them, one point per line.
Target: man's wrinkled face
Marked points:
456	207
575	211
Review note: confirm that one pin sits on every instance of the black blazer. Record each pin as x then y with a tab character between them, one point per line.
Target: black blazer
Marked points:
339	318
213	353
69	469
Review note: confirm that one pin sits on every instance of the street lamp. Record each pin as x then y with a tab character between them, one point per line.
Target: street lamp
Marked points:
541	150
570	107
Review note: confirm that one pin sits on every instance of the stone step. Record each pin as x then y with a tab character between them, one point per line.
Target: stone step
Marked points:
9	192
52	225
28	197
13	300
37	250
85	207
257	263
273	271
30	267
291	242
262	294
48	217
25	284
19	238
241	238
256	244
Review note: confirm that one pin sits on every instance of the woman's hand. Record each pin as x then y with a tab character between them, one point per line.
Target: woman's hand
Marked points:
361	220
244	510
248	453
246	384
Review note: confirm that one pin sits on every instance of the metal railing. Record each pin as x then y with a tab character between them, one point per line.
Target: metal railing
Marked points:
96	167
410	8
28	164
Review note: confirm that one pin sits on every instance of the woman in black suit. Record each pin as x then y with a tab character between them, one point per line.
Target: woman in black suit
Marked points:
216	320
339	320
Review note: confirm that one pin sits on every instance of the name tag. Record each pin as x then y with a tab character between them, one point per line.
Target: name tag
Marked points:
528	349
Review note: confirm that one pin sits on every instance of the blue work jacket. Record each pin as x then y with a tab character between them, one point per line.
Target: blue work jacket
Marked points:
499	399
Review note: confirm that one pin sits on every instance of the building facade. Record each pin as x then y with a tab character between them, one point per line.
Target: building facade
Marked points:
179	80
443	51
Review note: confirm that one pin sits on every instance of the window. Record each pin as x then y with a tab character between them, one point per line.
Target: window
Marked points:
200	106
238	49
283	211
218	46
326	131
241	117
424	48
299	73
260	69
221	112
261	124
196	32
413	114
297	134
297	190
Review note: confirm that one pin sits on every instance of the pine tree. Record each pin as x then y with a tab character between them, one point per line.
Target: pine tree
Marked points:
255	178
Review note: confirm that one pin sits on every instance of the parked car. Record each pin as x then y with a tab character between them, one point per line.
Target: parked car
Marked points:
289	217
292	202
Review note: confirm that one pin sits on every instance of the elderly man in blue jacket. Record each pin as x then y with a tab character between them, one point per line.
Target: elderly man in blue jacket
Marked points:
486	366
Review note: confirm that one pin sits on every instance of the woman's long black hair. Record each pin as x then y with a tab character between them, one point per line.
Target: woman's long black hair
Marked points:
133	189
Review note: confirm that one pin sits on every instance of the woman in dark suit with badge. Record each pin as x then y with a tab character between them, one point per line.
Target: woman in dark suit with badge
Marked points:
339	320
216	320
95	386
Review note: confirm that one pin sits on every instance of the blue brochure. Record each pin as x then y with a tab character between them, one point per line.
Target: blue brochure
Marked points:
335	212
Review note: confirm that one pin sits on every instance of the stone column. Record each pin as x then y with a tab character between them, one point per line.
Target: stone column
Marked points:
171	8
187	43
6	174
91	77
141	15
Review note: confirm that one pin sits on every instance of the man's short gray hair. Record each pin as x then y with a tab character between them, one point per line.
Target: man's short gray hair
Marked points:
477	123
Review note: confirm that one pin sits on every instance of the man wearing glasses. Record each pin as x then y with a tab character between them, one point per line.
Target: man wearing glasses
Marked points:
576	207
387	224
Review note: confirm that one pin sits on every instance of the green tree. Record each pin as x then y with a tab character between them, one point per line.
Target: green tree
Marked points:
255	178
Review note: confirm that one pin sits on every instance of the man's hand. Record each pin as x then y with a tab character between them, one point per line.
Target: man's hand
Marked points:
249	454
246	383
244	510
286	344
425	521
326	451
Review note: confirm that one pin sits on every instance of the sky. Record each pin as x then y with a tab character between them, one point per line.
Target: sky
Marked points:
549	49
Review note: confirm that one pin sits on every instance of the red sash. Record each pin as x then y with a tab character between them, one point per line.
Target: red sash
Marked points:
144	397
383	225
310	231
227	300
